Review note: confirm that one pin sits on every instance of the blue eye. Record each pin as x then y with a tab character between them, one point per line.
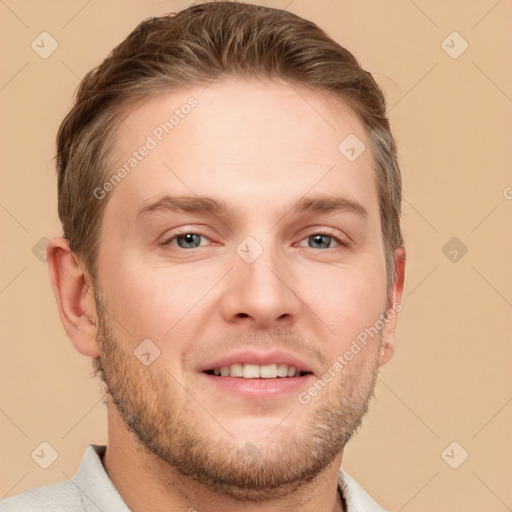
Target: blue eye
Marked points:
187	240
322	241
193	240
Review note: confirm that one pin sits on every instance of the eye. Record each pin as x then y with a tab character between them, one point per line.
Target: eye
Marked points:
319	240
186	240
322	241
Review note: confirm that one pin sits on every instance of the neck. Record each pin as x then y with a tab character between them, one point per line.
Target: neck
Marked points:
146	482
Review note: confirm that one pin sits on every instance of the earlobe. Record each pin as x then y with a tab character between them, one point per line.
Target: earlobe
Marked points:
387	348
387	351
75	298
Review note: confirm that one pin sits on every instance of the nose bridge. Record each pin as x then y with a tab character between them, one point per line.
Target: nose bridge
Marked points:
260	283
258	265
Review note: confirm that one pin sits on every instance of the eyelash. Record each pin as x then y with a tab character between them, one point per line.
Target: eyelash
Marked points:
340	242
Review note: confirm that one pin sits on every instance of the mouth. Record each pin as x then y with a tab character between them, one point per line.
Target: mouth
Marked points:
251	374
255	371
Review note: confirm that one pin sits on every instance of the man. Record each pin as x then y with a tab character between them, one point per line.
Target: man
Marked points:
232	261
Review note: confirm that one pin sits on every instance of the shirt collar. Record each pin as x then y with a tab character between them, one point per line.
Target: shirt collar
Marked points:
356	498
98	491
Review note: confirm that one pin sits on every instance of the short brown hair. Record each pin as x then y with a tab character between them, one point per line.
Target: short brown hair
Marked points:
193	47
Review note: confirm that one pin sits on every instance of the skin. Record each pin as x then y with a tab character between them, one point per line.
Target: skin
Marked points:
259	147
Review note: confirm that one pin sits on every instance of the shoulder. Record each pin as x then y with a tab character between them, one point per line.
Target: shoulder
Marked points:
59	497
89	489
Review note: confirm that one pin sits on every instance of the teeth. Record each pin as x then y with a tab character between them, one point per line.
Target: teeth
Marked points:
236	370
251	371
282	370
254	371
269	371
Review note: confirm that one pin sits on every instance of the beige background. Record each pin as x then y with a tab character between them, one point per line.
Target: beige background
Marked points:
450	379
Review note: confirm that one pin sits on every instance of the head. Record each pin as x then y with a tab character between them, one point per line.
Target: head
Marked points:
243	112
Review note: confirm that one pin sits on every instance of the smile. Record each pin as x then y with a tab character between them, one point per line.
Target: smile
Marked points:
254	371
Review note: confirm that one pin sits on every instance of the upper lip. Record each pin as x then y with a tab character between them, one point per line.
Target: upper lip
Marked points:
259	358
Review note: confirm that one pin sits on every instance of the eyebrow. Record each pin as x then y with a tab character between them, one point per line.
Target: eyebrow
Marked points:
191	204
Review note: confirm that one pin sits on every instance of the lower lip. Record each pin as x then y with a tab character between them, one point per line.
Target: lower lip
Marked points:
262	389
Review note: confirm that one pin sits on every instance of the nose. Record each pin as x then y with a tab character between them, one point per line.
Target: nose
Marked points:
261	292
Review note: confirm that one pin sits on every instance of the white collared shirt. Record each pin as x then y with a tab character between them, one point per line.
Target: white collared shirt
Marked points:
91	490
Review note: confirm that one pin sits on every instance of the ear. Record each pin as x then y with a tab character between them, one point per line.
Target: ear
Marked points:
75	298
387	348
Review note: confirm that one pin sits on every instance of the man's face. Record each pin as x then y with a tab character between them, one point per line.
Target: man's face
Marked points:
260	286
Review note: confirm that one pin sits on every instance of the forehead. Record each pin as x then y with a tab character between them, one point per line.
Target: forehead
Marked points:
243	142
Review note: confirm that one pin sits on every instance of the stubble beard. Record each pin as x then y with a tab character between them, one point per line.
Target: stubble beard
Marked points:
181	434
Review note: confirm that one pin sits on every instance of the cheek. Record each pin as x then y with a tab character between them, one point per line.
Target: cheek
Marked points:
154	301
347	300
